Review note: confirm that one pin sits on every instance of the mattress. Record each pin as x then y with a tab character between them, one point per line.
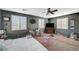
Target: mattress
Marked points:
21	44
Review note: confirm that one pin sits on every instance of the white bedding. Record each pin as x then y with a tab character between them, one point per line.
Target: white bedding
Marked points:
21	44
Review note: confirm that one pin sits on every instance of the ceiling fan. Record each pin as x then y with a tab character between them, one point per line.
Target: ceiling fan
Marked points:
50	11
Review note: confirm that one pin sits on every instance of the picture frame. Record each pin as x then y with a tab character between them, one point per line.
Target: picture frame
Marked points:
32	21
5	18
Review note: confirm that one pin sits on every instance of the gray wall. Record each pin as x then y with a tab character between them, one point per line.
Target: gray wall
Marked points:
77	24
67	32
8	14
34	26
5	14
0	20
19	33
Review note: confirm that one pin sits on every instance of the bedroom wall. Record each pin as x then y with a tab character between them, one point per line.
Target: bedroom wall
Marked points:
5	14
67	32
29	25
17	32
0	21
77	25
34	26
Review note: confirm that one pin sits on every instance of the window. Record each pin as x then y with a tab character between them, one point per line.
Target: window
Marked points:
18	22
62	23
23	24
41	23
15	22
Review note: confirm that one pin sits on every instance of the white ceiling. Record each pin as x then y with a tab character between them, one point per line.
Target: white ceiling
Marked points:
41	12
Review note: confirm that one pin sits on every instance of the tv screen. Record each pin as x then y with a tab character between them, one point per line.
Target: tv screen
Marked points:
49	24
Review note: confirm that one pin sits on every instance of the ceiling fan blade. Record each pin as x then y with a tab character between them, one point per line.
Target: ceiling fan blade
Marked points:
54	10
48	9
52	13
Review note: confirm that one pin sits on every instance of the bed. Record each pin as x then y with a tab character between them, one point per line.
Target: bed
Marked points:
21	44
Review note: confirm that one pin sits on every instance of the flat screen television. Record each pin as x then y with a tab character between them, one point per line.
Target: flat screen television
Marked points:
50	25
